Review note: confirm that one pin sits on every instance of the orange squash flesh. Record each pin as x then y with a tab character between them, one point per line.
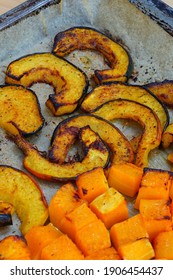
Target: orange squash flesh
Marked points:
155	184
91	184
138	250
104	254
125	178
61	248
14	247
163	245
156	216
110	207
40	236
93	237
127	231
65	200
76	219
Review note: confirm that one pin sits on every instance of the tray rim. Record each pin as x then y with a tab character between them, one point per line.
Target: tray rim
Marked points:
157	10
23	10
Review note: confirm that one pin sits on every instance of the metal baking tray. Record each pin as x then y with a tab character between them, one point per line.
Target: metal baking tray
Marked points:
32	26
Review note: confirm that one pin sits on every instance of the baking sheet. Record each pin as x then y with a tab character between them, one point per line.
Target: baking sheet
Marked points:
150	46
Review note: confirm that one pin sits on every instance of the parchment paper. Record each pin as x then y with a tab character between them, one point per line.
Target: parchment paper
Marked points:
150	47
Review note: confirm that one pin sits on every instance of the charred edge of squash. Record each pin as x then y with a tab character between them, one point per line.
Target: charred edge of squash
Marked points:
62	35
5	220
63	123
39	110
98	144
159	170
73	131
56	105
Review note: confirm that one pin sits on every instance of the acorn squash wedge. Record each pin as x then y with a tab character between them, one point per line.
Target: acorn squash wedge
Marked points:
14	247
68	81
111	91
65	133
22	191
85	38
167	136
96	154
163	90
20	105
126	109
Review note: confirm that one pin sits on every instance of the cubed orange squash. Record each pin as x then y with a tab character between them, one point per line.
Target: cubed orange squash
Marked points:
63	201
62	248
171	190
151	193
156	216
125	178
110	207
163	245
93	237
156	177
127	231
40	236
76	219
13	247
91	184
137	250
104	254
155	184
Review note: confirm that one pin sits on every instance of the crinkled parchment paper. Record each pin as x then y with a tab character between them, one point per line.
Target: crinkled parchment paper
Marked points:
151	49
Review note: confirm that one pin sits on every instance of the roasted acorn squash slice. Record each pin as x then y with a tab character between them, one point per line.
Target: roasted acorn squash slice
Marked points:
19	189
85	38
126	109
112	91
163	90
96	154
14	247
65	134
68	81
21	106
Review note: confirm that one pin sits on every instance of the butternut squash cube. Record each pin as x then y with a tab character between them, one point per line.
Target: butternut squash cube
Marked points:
40	236
138	250
171	190
156	216
93	237
64	200
127	231
125	178
62	248
110	207
76	219
155	184
104	254
91	184
163	245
